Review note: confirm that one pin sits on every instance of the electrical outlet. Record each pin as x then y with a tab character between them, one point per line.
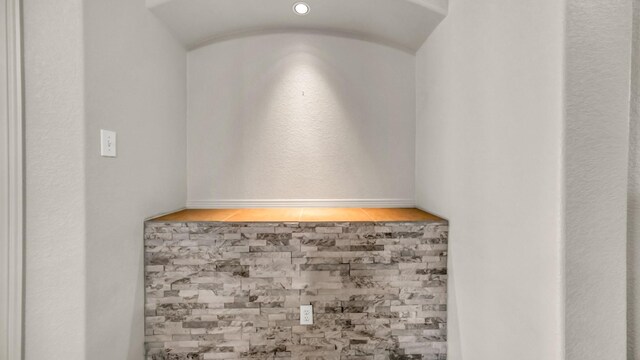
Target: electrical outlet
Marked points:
107	143
306	315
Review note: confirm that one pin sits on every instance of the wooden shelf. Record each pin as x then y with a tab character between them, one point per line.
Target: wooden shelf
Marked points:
299	215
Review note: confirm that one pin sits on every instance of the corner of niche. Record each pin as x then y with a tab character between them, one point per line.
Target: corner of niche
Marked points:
439	6
155	3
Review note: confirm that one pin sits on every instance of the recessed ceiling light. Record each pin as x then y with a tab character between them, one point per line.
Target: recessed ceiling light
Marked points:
301	8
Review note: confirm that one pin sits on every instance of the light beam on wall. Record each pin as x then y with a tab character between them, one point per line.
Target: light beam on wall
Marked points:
299	117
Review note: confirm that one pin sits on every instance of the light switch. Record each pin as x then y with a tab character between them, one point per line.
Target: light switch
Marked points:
107	143
306	315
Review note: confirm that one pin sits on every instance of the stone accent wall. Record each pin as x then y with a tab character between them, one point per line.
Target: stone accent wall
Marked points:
233	291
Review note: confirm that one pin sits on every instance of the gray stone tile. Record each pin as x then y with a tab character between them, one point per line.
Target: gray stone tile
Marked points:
233	291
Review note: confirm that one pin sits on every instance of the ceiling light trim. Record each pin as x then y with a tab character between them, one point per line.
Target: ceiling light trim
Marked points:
303	5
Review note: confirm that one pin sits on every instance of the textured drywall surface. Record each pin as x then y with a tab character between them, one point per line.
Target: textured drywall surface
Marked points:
489	140
4	196
597	64
233	291
300	116
633	222
136	86
55	177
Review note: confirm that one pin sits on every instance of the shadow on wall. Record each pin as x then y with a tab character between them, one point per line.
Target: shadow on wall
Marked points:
137	317
453	307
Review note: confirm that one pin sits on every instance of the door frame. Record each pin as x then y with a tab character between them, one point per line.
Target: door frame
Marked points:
12	192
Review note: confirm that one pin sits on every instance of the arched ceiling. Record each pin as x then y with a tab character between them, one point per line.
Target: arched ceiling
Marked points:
404	24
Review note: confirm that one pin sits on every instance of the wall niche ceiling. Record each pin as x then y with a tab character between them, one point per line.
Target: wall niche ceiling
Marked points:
403	24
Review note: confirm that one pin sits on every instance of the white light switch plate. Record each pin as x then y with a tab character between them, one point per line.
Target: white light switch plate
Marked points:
108	143
306	315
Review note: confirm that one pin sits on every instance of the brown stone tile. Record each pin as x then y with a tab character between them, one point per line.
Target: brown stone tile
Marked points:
198	215
334	215
266	215
400	215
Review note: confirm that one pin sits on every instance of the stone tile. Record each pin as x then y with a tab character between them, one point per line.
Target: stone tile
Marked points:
233	290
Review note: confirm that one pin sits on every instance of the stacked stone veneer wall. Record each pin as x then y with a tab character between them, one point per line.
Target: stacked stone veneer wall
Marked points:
233	291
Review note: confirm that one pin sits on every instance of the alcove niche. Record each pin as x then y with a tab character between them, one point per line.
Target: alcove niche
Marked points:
286	110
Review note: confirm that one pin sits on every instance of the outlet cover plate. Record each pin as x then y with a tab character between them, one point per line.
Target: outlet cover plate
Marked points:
306	315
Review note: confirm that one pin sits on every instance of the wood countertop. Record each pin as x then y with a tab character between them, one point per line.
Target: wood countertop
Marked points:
299	215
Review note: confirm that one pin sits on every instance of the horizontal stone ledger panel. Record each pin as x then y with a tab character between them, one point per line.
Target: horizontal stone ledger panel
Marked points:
233	291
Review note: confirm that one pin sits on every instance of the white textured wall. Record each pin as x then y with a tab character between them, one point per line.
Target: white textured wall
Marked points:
300	116
597	61
96	64
532	103
55	279
489	142
633	241
135	85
